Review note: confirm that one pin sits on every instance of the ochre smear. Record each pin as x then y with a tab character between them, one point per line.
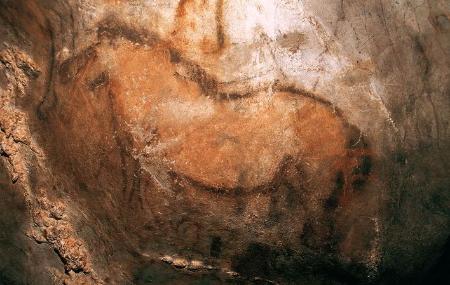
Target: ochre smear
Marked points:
236	143
199	26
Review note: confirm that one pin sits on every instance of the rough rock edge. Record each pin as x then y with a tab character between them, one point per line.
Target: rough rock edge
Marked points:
185	264
51	224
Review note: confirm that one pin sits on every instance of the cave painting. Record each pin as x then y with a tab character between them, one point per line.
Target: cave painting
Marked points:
202	156
180	119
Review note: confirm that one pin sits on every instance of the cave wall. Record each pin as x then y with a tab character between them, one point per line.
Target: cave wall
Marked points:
206	142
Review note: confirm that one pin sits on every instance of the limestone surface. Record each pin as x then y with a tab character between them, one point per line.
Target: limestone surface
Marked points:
224	142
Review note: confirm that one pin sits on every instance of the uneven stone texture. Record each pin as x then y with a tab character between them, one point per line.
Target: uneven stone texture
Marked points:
224	142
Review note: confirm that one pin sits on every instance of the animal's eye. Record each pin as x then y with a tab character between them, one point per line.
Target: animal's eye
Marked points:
98	81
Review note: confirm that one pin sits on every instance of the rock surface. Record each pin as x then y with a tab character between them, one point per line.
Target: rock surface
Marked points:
224	142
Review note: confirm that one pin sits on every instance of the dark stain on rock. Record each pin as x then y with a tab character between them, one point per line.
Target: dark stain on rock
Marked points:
400	158
332	202
358	184
112	28
33	175
339	181
221	96
356	138
29	70
182	181
121	144
163	274
175	56
256	261
206	82
441	23
215	249
292	267
364	165
307	235
275	213
293	196
49	97
136	184
422	58
439	272
292	41
241	203
71	67
262	261
99	81
220	34
210	45
279	87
